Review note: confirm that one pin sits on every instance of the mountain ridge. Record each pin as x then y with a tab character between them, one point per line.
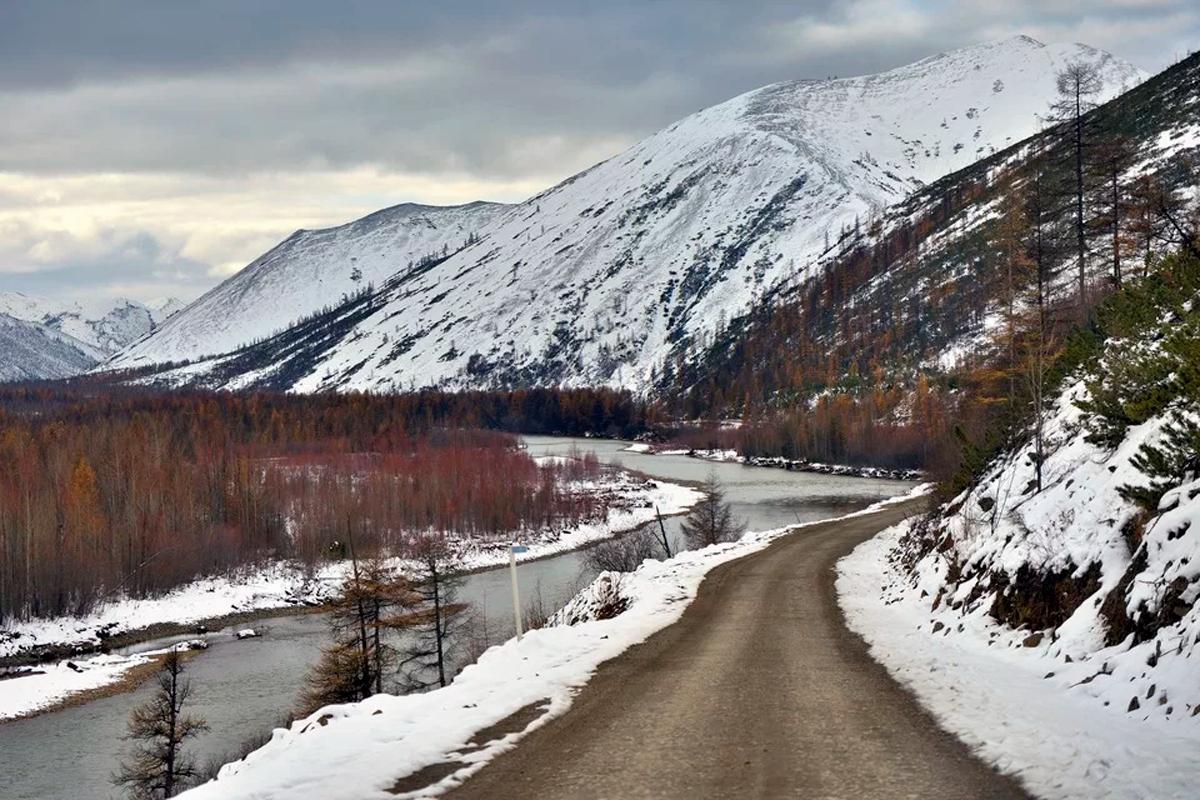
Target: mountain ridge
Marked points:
611	274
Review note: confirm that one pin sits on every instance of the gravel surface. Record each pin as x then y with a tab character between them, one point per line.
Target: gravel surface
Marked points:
758	691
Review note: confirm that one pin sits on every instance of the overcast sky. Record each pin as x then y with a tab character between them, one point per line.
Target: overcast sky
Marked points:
154	147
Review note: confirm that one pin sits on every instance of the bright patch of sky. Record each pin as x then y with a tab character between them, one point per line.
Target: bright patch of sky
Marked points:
151	149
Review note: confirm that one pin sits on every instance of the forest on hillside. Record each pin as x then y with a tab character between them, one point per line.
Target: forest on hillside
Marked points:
1002	265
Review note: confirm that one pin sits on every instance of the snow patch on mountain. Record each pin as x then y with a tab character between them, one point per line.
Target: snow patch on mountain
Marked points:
105	324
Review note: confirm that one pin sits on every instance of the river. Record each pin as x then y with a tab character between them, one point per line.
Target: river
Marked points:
242	687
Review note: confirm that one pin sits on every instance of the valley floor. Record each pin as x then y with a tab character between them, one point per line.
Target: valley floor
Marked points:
427	744
271	589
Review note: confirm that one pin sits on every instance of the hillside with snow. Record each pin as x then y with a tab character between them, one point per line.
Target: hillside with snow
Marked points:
607	276
1062	609
32	351
105	324
309	271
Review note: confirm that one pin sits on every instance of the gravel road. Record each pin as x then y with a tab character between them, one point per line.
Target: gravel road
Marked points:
759	691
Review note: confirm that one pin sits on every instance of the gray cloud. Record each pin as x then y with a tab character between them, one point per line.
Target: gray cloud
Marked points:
115	262
501	94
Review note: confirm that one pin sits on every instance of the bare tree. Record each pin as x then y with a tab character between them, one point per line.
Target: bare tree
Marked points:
711	521
158	766
1078	84
438	626
621	553
1042	234
1113	159
1041	353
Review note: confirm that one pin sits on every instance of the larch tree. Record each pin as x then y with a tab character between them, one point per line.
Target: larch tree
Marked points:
435	630
159	767
711	521
362	619
1146	196
1112	159
1078	85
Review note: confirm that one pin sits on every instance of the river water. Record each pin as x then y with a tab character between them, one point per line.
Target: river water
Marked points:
242	687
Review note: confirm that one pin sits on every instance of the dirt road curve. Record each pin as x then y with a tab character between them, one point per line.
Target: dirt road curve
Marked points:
759	691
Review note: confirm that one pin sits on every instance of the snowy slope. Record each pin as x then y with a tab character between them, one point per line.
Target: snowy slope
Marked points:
107	325
162	308
1024	710
1053	627
31	351
601	279
308	271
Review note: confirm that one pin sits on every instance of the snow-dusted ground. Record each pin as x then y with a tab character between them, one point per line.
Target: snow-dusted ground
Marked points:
1053	630
358	751
1024	709
53	683
281	586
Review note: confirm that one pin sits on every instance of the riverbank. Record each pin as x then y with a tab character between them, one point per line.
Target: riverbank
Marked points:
778	462
424	744
274	590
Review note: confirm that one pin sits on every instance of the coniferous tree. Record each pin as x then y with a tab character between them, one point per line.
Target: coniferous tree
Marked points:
1078	84
158	767
362	619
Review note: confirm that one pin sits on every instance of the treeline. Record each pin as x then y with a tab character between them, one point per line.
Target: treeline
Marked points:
888	428
360	419
132	493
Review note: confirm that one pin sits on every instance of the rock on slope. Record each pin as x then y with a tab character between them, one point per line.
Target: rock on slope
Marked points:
602	279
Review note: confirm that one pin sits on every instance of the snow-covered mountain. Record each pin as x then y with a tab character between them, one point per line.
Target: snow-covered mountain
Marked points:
605	277
47	339
106	325
311	270
32	351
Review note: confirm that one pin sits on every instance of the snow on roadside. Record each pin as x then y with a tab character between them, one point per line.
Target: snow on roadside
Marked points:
281	586
358	751
1019	708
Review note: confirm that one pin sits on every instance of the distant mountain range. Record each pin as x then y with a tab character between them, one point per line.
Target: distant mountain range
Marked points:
45	339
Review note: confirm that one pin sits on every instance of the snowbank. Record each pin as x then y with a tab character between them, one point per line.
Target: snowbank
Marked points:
359	751
50	683
1053	630
1061	728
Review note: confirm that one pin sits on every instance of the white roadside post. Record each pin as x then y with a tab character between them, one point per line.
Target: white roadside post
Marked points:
512	565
